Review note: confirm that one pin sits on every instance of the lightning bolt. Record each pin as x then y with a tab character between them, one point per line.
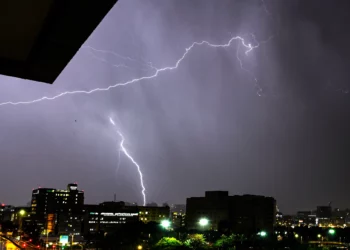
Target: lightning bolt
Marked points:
126	153
119	161
265	8
91	50
248	47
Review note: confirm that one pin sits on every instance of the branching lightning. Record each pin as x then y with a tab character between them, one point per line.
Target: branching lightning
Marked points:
148	65
119	161
126	153
265	8
248	47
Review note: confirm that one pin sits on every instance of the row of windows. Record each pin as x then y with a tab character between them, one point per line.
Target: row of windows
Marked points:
108	222
113	222
122	218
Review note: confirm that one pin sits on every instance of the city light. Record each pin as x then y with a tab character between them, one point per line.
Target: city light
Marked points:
263	234
331	231
139	247
165	223
319	236
203	222
22	212
296	235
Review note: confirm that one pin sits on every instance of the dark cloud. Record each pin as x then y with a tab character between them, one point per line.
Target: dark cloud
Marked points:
199	127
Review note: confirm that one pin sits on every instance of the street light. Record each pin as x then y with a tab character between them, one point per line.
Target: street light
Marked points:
21	213
165	223
331	231
263	234
203	222
139	247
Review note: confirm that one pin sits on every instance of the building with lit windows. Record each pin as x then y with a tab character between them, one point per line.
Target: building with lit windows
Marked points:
2	208
90	219
7	213
323	216
108	216
155	214
178	219
237	214
114	214
178	215
57	211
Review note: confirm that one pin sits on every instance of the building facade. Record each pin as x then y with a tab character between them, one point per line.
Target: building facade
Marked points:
238	214
57	211
178	215
108	216
155	214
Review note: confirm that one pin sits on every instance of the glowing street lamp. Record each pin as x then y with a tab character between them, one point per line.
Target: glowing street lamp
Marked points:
331	231
165	223
21	213
203	222
139	247
263	234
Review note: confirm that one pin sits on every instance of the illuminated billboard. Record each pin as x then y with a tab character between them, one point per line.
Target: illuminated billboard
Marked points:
63	239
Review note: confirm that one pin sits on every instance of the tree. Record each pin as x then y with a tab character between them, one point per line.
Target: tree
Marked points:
168	243
196	241
225	242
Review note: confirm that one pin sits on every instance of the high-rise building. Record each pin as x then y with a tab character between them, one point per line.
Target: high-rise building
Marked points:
58	211
239	214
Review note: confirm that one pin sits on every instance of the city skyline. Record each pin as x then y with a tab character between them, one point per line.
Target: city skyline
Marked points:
271	122
171	204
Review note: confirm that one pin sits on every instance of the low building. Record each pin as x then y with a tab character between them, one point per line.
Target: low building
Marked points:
108	216
323	216
238	214
2	207
114	214
155	214
305	218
